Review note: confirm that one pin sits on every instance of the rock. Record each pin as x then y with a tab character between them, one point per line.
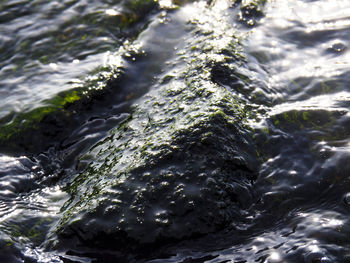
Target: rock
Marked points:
182	165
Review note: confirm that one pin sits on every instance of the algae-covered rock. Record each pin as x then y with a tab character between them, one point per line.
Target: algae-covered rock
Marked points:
183	164
187	169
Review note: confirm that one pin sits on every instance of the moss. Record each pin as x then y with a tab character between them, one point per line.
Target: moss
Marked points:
24	121
322	124
302	119
65	98
29	231
306	115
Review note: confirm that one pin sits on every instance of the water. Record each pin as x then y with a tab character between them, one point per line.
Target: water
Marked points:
293	85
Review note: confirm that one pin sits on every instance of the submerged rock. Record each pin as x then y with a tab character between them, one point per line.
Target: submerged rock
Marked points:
182	165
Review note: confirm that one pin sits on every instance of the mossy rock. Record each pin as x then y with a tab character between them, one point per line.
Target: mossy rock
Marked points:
182	165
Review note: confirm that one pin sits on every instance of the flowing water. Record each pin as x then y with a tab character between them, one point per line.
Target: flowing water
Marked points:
290	75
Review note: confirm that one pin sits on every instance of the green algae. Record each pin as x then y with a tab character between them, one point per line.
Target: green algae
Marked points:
15	127
314	119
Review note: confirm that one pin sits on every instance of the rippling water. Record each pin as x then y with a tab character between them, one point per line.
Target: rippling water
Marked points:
294	84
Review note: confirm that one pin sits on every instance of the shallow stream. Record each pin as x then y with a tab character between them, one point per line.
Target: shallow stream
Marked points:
282	70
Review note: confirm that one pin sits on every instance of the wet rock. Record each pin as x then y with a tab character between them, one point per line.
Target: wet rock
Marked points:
182	165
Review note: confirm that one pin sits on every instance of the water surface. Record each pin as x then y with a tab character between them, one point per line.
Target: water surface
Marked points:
297	64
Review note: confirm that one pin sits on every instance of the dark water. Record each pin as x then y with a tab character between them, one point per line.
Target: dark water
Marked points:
294	85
